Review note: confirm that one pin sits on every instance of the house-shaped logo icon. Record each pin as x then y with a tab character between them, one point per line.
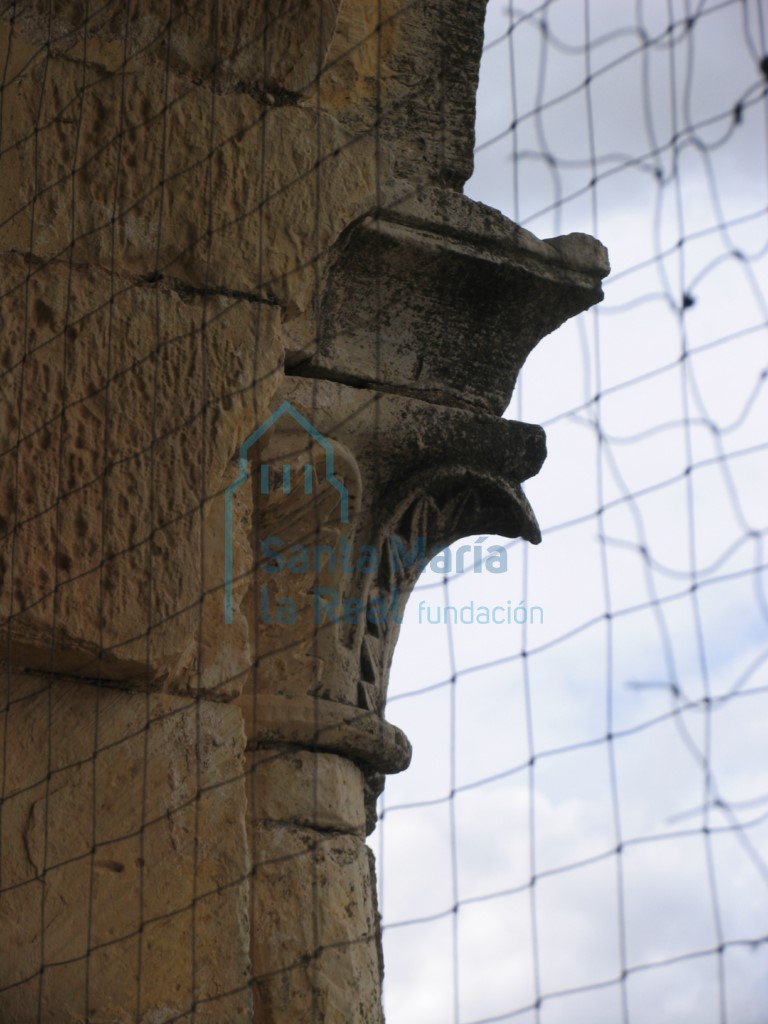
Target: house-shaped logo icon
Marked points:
285	476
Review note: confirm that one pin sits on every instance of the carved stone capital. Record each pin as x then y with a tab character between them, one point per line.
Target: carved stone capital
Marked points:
428	311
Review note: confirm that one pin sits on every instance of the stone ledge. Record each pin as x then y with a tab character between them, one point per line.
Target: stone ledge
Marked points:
362	736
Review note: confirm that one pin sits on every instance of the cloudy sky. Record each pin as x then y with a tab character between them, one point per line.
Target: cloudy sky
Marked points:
650	575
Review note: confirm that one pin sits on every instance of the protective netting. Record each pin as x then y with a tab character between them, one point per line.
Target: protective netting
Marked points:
583	835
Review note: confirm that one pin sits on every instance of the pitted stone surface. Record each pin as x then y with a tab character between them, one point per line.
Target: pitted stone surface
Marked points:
121	408
231	44
207	210
108	847
321	964
161	176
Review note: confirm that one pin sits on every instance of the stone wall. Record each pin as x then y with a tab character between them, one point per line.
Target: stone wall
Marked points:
207	211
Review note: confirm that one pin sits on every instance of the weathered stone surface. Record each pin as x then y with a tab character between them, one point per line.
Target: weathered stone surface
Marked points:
158	175
315	943
474	282
409	72
291	654
295	786
229	44
122	405
124	856
207	211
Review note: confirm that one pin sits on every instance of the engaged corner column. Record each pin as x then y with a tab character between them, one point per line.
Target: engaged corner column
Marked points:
316	940
351	488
